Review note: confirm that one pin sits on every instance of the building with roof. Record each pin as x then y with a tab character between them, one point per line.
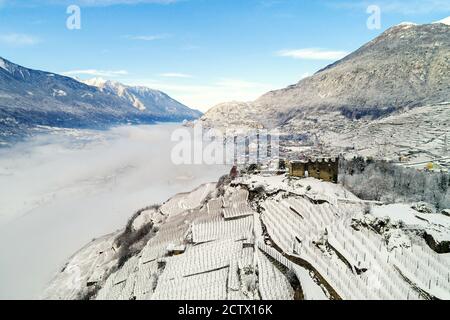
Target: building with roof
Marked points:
326	169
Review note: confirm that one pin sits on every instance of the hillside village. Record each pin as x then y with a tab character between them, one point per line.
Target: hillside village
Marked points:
418	138
273	232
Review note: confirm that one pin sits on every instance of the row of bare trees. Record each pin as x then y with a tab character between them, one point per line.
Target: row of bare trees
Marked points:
385	181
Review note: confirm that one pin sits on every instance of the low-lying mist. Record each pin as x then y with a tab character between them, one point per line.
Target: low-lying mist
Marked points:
59	191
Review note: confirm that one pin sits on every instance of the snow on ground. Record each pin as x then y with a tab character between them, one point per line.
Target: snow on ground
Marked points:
273	285
415	136
300	238
308	186
399	212
85	266
438	225
311	290
201	270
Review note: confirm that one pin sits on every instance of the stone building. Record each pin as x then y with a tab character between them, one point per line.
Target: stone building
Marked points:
326	169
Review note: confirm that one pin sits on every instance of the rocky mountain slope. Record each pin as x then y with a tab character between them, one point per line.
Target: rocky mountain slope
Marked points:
146	100
405	67
30	98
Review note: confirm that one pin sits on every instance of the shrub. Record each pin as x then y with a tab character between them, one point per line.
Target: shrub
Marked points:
131	241
222	183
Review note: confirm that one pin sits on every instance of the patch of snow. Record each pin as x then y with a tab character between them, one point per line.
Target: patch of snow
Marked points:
3	65
311	290
138	104
399	212
396	238
59	93
407	24
444	21
437	225
96	82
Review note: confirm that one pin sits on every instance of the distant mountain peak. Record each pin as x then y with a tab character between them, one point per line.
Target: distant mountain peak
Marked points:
102	84
143	98
96	82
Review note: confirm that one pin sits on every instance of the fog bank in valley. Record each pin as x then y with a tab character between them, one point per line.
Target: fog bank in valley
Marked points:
61	190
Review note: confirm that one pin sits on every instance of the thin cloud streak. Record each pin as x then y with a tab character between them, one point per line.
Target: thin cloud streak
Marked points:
152	37
18	39
205	96
176	75
312	54
406	7
96	73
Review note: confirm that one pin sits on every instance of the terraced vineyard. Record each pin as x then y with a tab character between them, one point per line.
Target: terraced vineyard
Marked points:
306	239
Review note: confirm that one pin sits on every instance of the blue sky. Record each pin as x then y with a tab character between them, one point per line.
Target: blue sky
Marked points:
201	52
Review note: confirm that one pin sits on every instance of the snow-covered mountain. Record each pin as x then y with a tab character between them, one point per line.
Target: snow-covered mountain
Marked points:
145	99
407	66
31	98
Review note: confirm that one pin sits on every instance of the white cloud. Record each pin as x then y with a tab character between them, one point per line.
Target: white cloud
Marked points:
18	40
152	37
96	73
205	96
190	47
240	84
175	75
415	6
312	54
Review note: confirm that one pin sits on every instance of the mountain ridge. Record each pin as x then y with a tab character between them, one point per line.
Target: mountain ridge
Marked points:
143	98
405	67
30	98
